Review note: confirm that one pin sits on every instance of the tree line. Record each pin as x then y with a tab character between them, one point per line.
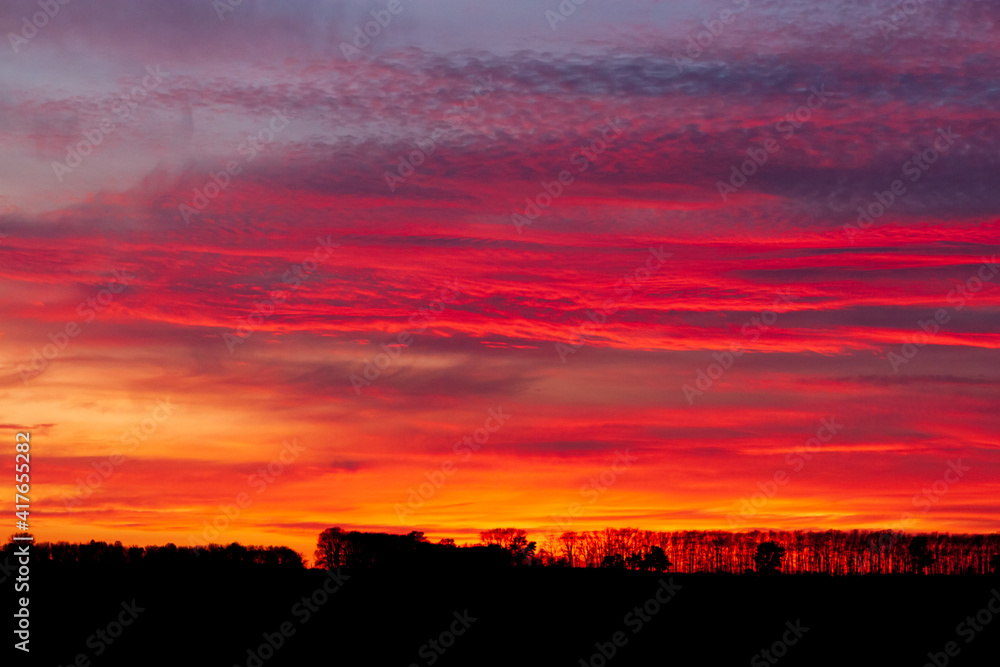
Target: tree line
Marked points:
356	550
68	555
831	552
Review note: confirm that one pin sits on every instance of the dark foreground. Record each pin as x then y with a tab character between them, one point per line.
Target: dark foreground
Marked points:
507	617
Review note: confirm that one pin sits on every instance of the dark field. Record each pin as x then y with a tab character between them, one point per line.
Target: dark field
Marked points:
523	616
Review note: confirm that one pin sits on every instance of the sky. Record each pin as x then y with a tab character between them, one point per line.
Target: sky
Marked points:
267	268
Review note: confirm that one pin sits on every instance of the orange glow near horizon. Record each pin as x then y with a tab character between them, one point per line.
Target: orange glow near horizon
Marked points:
322	338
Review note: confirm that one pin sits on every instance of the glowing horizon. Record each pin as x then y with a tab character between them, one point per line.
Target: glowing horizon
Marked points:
448	279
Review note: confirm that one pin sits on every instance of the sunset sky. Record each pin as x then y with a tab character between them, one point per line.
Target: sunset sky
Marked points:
252	235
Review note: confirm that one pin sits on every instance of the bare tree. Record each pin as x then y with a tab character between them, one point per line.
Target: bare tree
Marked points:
330	548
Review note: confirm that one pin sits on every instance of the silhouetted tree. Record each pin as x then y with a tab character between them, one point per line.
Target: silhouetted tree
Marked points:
920	558
569	540
656	560
135	555
613	561
768	558
514	540
503	537
521	550
330	549
548	555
